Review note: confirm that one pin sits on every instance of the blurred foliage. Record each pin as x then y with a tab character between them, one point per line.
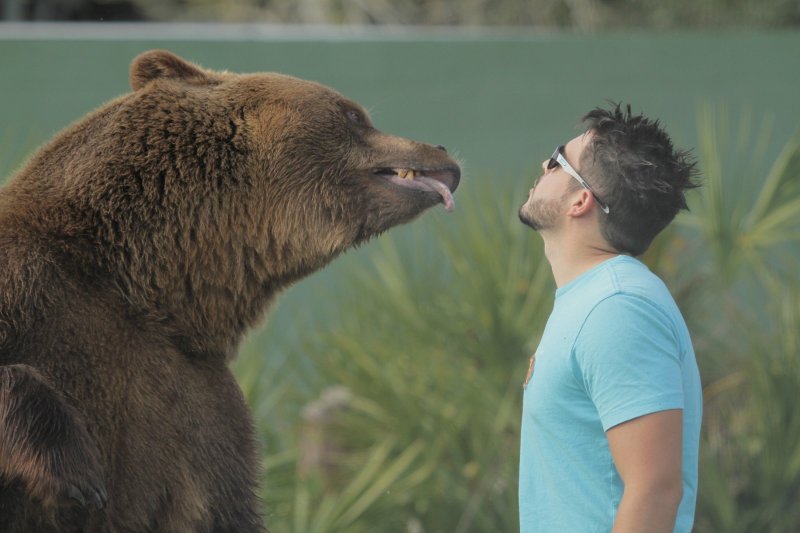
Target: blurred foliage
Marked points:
584	15
750	459
409	421
750	212
402	414
415	425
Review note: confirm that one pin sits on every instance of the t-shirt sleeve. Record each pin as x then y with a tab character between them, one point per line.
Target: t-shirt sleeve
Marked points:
628	358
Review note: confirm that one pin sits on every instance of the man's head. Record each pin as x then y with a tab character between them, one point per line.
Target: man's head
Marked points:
549	199
625	164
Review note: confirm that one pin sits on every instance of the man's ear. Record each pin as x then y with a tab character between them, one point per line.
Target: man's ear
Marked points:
581	203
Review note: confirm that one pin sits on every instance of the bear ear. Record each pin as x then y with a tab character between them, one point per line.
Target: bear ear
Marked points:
156	64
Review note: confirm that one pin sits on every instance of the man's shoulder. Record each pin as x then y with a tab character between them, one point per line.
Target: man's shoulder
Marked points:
630	314
631	275
620	293
625	308
633	282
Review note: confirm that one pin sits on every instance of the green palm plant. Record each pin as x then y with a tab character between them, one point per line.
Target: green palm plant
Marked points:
410	419
430	356
750	454
737	247
736	270
749	211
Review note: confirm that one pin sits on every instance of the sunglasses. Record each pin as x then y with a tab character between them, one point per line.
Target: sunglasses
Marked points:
558	159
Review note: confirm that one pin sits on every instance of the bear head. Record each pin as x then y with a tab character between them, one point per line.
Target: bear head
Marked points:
201	194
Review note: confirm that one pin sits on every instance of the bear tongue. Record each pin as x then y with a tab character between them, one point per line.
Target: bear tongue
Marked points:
441	188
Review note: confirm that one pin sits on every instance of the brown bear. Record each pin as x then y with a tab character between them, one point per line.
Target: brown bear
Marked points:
136	249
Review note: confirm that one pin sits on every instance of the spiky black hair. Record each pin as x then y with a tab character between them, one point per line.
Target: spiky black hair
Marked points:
634	167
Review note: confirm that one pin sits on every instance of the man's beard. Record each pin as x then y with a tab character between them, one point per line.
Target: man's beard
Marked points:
540	214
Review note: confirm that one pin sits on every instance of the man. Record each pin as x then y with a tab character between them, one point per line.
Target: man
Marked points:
613	401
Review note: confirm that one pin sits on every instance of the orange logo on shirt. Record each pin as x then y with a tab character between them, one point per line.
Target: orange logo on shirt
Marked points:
530	369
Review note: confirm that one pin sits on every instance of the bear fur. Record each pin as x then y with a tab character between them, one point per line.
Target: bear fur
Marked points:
136	249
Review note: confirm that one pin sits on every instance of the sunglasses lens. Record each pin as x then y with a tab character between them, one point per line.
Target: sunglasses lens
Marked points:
553	163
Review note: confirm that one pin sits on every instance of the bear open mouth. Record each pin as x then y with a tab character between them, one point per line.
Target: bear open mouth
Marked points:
441	181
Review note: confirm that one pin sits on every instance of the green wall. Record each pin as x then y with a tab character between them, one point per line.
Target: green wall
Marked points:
499	102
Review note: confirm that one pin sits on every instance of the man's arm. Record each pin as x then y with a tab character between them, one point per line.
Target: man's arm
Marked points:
647	452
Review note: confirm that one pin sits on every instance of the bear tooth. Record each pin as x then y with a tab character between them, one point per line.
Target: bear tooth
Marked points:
411	174
401	172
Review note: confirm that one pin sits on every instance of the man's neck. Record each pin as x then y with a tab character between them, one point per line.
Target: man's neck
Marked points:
570	261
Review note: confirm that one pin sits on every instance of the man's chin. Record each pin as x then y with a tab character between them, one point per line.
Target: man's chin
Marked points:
526	219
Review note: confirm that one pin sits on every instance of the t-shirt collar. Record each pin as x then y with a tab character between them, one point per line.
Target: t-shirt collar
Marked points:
561	291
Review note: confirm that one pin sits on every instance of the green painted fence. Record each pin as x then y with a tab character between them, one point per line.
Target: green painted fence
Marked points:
499	101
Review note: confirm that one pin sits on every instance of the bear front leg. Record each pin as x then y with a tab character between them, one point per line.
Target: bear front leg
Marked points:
44	443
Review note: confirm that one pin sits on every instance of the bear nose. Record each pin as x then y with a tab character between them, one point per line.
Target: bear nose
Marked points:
442	148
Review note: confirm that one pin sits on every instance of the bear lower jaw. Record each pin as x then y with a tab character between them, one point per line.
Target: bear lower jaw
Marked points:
442	182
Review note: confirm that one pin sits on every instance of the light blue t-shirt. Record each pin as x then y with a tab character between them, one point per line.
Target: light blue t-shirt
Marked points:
615	348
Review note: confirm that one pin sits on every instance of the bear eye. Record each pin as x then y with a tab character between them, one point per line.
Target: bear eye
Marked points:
355	117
